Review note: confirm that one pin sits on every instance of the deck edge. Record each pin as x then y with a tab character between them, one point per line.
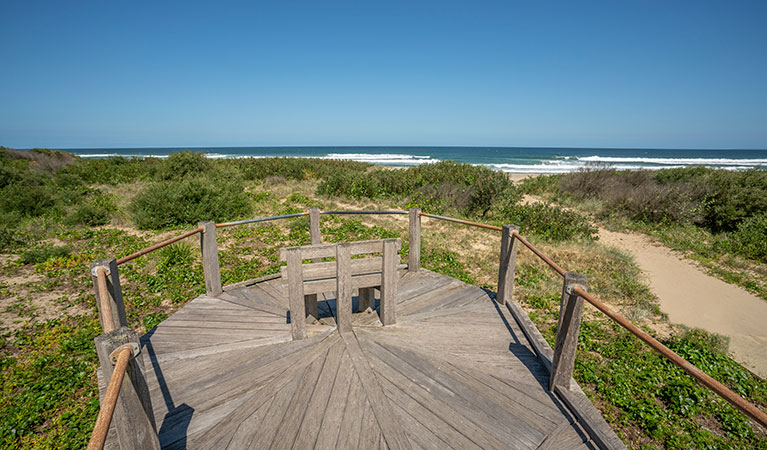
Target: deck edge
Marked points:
576	401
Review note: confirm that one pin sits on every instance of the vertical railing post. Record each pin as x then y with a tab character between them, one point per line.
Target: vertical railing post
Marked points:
133	414
343	287
389	278
570	311
113	289
310	300
296	294
414	255
507	264
210	266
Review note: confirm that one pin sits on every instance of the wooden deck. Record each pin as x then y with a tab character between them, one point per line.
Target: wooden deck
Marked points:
456	371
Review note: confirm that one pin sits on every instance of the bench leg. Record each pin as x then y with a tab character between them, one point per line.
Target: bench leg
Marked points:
343	288
310	304
389	278
366	299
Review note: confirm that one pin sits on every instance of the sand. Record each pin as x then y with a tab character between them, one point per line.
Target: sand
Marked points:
517	177
692	298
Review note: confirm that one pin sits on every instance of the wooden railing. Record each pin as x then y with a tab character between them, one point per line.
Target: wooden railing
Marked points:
130	404
570	311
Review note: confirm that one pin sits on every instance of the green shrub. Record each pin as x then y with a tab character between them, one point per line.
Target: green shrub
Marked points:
114	170
638	195
695	173
448	186
189	201
483	185
295	168
181	164
10	238
176	254
10	170
550	222
26	198
68	189
97	210
750	239
539	184
433	199
735	197
44	254
353	185
731	196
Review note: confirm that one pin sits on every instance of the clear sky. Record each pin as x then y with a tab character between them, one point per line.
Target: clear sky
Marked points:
668	74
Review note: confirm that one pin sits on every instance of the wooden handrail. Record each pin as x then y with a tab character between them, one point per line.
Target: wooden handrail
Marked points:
104	419
743	405
540	254
723	391
108	323
465	222
706	380
139	253
162	244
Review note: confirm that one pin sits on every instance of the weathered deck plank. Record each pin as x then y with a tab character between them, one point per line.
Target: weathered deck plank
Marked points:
456	371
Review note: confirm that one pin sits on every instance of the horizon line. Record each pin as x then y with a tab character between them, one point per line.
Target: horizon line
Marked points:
184	147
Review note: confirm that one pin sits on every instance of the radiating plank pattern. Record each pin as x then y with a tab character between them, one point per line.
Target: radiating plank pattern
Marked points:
454	372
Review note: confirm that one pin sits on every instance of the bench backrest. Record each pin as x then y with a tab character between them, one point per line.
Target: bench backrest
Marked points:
342	275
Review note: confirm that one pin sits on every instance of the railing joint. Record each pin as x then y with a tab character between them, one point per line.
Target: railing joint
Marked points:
95	270
132	346
571	288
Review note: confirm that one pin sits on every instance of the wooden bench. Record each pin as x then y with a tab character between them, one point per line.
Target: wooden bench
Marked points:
343	275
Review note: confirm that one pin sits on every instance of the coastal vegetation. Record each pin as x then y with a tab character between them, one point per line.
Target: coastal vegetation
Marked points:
717	217
58	213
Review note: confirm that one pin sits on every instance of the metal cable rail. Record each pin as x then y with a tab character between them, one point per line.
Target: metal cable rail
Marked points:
261	219
172	240
363	212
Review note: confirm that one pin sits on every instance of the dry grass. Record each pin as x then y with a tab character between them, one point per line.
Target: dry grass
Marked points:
43	159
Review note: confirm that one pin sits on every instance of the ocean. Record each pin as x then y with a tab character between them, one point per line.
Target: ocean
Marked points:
506	159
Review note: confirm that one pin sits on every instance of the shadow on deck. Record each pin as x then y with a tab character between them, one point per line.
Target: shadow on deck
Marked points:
456	371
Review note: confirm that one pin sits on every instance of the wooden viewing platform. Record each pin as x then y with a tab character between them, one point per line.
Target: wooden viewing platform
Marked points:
312	357
456	371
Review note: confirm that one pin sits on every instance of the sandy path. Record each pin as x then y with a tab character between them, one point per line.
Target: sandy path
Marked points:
692	298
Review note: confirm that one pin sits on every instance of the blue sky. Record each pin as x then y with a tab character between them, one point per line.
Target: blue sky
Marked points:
605	74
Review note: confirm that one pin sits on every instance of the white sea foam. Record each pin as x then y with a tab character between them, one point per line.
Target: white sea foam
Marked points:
557	164
389	159
566	168
682	161
112	155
